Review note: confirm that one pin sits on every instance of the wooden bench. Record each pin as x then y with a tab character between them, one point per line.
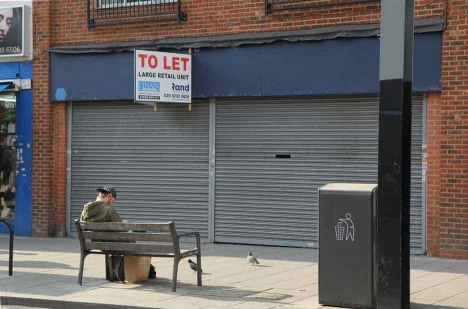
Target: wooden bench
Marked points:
135	239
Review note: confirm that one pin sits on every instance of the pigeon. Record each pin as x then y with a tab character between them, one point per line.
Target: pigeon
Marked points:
252	259
193	266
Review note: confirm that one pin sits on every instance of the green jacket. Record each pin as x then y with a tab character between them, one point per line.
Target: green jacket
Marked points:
99	212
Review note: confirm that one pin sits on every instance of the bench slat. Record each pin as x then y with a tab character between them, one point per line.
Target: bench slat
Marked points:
128	247
125	227
152	254
126	236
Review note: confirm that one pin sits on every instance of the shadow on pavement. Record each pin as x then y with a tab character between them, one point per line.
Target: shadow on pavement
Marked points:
38	244
6	252
37	264
52	285
46	284
415	305
213	292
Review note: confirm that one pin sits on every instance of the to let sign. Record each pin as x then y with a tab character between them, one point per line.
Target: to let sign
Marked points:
163	77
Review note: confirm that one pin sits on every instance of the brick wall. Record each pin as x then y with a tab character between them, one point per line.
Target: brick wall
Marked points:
43	155
60	168
453	231
218	17
447	227
434	135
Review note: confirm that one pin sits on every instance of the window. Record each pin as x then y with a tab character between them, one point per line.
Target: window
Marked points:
291	5
118	12
118	3
9	158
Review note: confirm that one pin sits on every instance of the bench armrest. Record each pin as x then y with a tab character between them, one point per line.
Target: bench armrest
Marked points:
196	234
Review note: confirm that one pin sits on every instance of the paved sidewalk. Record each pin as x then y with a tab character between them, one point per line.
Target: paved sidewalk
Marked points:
45	275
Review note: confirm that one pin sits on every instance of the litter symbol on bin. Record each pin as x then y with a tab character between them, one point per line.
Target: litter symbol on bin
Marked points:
339	230
345	225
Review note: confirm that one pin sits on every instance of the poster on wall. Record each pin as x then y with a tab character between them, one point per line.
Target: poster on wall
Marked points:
11	31
162	77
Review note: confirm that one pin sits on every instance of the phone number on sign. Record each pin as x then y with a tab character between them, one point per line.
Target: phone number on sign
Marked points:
177	96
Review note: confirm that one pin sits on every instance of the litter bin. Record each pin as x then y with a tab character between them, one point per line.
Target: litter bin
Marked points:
347	245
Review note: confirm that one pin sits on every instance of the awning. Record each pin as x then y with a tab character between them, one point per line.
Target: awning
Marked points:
8	86
3	86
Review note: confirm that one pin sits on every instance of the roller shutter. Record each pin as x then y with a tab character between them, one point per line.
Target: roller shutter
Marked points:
273	155
157	161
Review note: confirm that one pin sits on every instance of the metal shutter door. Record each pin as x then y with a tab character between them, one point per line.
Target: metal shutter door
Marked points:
418	213
264	199
157	161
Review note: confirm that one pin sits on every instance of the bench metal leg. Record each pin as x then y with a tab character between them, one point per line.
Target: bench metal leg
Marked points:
107	266
199	270
80	273
174	274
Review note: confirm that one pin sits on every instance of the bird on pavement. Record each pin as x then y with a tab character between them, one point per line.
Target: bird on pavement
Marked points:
252	259
193	266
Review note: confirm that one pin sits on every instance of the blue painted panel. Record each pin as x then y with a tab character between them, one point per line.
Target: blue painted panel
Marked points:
9	70
24	127
305	68
345	66
26	70
13	70
227	72
92	77
342	66
328	67
427	63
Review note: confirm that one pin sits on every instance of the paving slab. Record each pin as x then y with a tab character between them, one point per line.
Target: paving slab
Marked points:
46	270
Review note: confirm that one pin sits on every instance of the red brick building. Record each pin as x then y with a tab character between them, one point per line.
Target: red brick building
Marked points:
284	101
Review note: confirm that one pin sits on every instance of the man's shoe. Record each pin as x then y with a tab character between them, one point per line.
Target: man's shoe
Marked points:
152	272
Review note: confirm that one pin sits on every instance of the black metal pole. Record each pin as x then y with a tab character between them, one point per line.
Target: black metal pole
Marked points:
178	12
393	214
10	252
10	259
88	15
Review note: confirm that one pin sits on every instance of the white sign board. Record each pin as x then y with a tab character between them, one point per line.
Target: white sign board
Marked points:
163	77
12	31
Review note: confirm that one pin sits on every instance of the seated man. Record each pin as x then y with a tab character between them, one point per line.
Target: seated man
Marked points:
101	210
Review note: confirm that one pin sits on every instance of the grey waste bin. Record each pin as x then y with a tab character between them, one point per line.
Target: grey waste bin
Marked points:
347	245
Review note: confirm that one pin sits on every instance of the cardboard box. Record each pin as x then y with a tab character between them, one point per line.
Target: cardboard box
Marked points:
136	268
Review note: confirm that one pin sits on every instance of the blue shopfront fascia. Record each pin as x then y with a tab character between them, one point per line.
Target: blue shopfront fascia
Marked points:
328	67
22	223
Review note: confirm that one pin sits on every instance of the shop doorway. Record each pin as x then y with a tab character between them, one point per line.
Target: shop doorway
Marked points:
8	164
